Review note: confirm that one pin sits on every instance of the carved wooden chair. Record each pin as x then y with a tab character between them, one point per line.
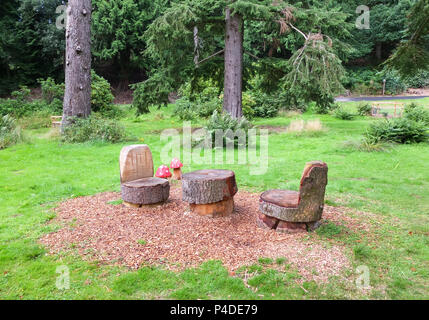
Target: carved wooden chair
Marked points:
296	210
138	185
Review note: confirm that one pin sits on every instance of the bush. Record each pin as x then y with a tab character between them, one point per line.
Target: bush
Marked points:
364	109
399	130
394	83
10	133
189	110
225	123
267	106
362	79
184	109
324	103
101	94
153	91
419	80
341	113
51	90
205	109
416	113
248	105
93	129
23	94
19	108
37	120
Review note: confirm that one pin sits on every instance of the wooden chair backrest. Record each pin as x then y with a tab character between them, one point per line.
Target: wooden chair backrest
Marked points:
313	183
135	162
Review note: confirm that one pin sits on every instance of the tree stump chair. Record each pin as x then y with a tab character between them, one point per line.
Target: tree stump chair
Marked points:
209	192
138	185
291	211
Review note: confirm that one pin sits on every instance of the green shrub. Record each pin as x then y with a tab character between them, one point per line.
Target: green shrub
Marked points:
419	80
341	113
153	91
23	94
189	110
416	113
206	108
202	90
364	109
10	106
227	124
56	107
101	94
362	80
267	106
184	109
51	90
93	129
10	132
398	130
36	120
394	83
248	105
324	104
19	108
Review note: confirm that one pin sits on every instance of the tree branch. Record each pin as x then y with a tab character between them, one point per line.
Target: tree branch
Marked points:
296	29
252	55
209	57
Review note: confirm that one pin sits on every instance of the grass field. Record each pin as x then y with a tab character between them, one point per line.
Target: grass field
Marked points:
394	184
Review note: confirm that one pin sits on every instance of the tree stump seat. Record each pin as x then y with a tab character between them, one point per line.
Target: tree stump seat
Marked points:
291	211
209	192
138	185
282	198
145	191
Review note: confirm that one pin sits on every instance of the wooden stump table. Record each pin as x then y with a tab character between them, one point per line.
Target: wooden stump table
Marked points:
209	192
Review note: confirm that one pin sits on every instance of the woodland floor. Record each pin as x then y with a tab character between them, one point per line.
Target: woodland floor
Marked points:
99	227
60	207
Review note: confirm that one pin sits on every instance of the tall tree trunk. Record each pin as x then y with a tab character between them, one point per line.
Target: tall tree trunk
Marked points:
124	71
378	50
233	64
77	96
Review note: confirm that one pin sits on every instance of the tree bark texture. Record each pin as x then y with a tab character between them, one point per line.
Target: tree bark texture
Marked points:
378	50
305	206
208	186
232	102
77	96
145	191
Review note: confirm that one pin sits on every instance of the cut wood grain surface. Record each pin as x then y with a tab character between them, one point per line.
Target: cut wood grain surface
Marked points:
208	186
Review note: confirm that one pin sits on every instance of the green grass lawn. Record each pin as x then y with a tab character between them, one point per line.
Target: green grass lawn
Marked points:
394	184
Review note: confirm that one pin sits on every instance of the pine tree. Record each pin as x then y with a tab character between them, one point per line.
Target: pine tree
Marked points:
77	96
190	35
412	55
117	28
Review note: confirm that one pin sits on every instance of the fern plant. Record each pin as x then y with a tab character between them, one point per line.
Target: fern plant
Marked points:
10	132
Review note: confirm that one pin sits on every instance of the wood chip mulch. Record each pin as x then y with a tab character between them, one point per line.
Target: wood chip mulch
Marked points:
170	236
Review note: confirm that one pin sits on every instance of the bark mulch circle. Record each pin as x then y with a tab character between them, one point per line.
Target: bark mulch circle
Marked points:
169	235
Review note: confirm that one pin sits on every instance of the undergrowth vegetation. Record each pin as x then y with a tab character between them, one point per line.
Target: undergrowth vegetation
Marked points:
93	129
10	132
